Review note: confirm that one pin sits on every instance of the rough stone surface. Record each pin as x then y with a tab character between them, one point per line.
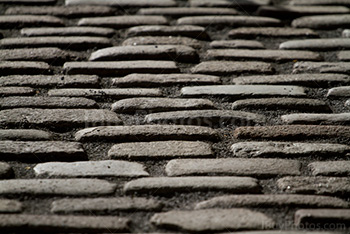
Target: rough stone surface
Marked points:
272	200
320	2
147	133
21	21
346	33
322	22
67	31
339	92
23	68
287	149
237	44
5	171
344	56
161	150
106	205
29	2
186	11
91	169
227	3
124	3
285	12
16	91
322	216
162	40
24	135
324	119
316	44
213	220
169	185
10	206
330	168
322	67
233	166
253	32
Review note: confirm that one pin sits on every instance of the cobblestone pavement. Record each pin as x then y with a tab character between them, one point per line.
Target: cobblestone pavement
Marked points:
175	116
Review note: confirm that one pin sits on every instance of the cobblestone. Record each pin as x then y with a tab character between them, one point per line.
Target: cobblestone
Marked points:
324	119
21	21
330	168
253	32
298	11
24	135
322	67
16	91
312	216
316	44
321	2
21	68
124	3
67	31
10	206
338	92
237	44
162	40
225	3
344	56
185	11
322	22
5	170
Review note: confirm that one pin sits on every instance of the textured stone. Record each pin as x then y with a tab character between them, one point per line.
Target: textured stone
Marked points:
133	105
321	217
323	119
58	223
344	55
315	185
320	2
213	220
253	32
159	40
120	68
21	21
5	171
287	149
179	53
243	91
24	135
284	232
161	150
192	31
330	168
105	205
170	185
124	3
29	2
147	133
16	91
346	33
293	132
125	21
28	68
233	21
271	200
227	3
339	92
187	11
155	80
107	168
41	151
71	42
237	44
322	21
298	11
317	44
299	104
322	67
228	67
10	206
75	187
261	168
264	55
58	118
310	80
68	31
101	93
59	81
206	118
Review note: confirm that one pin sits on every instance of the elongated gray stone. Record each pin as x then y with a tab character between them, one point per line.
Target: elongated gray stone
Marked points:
246	91
68	31
61	81
147	133
91	169
310	80
338	217
162	40
133	105
24	135
283	12
206	118
233	21
58	118
230	67
63	42
101	93
170	185
339	92
322	22
106	205
155	80
10	206
227	3
180	53
23	68
124	3
125	21
265	55
16	91
322	67
285	232
287	149
315	185
237	44
192	31
330	168
120	68
346	33
5	171
29	2
41	151
213	220
253	32
187	11
317	44
161	150
320	2
323	119
272	200
21	21
344	56
73	187
299	104
261	168
59	223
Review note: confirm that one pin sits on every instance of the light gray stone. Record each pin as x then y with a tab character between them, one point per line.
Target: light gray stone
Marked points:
344	55
23	67
338	92
107	168
124	3
272	200
347	103
322	67
187	11
162	40
346	33
323	119
227	3
29	2
321	216
161	150
253	32
16	91
246	91
105	205
66	187
120	68
287	149
133	105
24	135
330	168
322	21
21	21
155	80
67	31
288	12
170	185
320	2
317	44
237	44
213	220
5	171
261	168
284	232
315	185
10	206
147	133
